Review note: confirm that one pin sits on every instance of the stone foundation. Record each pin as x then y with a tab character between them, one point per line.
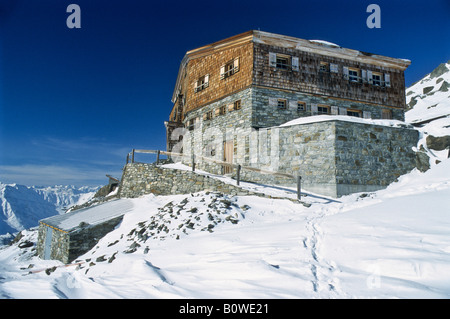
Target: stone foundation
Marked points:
333	157
140	179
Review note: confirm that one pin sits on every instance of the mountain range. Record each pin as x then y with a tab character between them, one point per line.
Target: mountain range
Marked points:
21	207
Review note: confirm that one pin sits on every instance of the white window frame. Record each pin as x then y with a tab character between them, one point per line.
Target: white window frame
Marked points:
354	75
291	62
230	68
202	83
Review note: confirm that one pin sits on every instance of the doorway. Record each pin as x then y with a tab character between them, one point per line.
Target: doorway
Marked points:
228	156
48	243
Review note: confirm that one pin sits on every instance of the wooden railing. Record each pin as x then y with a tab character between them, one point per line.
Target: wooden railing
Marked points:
237	167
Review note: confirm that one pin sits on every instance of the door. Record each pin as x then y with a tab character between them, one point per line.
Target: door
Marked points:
228	156
48	243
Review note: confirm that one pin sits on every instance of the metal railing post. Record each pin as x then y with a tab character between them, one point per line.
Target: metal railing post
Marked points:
238	174
299	187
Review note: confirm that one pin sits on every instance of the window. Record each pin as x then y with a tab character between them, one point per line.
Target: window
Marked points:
353	75
386	114
376	79
324	67
191	124
355	113
208	115
223	110
230	68
301	106
237	105
282	104
210	150
283	62
202	83
323	109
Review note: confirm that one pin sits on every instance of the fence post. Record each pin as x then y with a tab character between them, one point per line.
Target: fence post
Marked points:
128	157
238	174
299	187
157	157
132	156
193	162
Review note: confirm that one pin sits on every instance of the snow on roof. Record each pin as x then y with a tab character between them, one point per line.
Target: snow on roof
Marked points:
345	118
322	42
92	215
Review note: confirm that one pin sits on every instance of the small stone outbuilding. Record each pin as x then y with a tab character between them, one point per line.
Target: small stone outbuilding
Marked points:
67	236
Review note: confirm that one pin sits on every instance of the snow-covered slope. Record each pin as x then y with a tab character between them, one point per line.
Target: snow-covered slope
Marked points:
429	103
393	243
21	207
430	99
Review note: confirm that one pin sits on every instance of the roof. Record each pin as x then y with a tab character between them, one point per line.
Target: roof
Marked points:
92	215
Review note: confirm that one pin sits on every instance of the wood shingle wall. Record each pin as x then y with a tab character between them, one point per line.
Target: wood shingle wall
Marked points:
310	79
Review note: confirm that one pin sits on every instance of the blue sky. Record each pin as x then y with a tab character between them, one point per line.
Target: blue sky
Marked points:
74	102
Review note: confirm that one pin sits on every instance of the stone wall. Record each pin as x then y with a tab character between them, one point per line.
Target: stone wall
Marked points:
208	136
266	113
85	238
337	158
356	156
59	244
370	157
140	179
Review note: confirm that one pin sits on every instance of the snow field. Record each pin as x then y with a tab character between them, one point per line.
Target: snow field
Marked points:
393	243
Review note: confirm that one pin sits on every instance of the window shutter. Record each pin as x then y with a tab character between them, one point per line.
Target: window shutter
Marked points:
387	80
230	107
342	110
334	68
273	102
364	76
334	110
205	116
217	111
369	76
272	59
195	86
222	72
236	65
293	104
295	66
314	110
345	70
206	81
367	115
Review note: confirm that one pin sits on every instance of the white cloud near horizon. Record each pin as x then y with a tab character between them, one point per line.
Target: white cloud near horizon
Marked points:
50	175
